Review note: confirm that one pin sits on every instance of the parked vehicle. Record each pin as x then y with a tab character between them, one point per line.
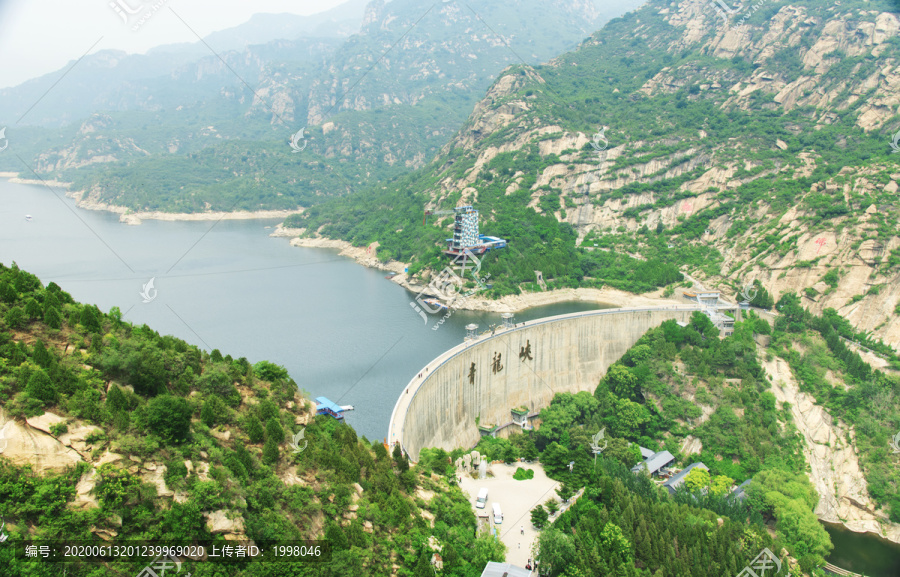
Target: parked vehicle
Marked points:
481	501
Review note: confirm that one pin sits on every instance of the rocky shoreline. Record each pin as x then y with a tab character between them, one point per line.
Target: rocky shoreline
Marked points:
367	256
129	217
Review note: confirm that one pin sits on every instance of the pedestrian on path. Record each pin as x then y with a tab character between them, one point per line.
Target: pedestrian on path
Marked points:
522	529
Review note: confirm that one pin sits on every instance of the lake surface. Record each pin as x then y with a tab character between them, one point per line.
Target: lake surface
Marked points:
342	330
863	553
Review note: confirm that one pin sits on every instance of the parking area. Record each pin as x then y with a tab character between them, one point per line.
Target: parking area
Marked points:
517	499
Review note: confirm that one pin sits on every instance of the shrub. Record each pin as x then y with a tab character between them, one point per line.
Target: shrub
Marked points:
523	474
255	430
169	417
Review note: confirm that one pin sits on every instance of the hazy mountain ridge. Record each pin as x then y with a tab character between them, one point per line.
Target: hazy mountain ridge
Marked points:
386	115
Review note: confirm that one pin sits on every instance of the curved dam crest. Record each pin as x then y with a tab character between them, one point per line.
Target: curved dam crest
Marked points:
524	366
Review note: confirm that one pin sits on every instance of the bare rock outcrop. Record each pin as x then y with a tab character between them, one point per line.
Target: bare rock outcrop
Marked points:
834	465
23	444
218	522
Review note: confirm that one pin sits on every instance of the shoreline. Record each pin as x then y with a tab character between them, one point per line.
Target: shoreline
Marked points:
366	256
128	217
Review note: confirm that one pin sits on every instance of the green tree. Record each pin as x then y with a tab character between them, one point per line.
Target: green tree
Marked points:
556	551
539	516
41	387
213	412
15	317
41	355
622	382
269	371
90	319
274	431
697	479
255	431
52	318
33	309
720	484
169	417
552	506
565	491
271	452
614	543
115	399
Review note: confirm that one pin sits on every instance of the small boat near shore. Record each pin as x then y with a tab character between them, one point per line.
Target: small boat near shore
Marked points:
435	303
29	218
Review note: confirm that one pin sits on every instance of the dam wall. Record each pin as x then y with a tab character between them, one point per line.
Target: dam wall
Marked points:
524	366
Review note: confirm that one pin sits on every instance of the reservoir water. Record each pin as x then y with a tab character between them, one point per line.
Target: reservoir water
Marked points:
863	553
343	331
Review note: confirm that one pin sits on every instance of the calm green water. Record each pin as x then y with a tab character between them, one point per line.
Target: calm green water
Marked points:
863	553
342	330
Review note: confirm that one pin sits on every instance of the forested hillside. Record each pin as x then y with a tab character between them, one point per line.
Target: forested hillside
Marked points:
753	149
113	432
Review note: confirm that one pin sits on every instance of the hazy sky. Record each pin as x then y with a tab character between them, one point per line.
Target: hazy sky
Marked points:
41	36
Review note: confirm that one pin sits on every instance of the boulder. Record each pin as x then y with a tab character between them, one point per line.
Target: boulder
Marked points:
22	444
105	534
108	457
156	477
218	523
45	421
83	497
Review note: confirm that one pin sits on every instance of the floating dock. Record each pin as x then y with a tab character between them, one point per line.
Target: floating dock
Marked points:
324	406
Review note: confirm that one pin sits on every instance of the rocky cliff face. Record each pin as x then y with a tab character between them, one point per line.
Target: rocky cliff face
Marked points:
834	468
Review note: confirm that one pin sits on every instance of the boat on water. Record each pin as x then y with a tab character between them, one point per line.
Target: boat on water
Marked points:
435	303
28	217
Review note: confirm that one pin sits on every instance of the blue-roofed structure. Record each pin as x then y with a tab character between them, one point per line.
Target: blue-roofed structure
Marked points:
324	406
655	463
676	480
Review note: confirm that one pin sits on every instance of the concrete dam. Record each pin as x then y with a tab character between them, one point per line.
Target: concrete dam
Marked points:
520	368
